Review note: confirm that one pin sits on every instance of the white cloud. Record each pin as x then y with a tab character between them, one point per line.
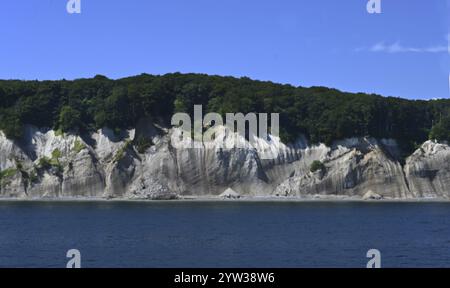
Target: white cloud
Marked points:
382	47
399	48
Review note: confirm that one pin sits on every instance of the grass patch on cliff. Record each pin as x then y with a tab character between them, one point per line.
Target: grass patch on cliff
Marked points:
8	173
56	154
5	175
78	146
59	132
121	152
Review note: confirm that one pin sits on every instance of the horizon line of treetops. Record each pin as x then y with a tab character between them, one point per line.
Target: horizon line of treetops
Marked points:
321	114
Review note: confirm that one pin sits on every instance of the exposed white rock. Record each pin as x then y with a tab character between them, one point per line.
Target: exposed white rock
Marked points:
428	171
13	186
82	176
109	166
372	196
351	168
49	186
230	194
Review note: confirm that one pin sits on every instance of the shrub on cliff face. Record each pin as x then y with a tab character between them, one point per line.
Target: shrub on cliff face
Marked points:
7	173
316	166
121	152
44	163
51	164
143	143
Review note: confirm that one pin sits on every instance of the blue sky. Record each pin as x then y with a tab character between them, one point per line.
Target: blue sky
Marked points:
401	52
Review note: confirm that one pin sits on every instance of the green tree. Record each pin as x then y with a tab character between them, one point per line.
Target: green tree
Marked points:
11	125
441	131
116	108
69	119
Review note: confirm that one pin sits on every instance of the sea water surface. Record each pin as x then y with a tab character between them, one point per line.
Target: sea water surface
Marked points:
224	234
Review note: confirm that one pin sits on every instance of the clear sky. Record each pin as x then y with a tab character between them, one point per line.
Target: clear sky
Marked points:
401	52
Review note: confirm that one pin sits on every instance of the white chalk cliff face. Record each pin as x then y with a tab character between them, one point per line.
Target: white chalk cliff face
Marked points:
103	165
428	171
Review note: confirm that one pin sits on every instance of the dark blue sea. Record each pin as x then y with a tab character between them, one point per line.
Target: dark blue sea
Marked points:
224	234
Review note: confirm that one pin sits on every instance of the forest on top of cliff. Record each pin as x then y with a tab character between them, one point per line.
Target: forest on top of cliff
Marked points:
321	114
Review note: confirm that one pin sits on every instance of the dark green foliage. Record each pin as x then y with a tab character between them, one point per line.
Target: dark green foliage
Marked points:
11	125
143	143
316	166
322	114
441	131
69	119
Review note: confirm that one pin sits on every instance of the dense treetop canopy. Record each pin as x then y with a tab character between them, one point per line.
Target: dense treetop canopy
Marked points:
320	113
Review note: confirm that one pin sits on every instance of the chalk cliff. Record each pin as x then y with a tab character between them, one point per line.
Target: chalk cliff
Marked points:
46	164
428	171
